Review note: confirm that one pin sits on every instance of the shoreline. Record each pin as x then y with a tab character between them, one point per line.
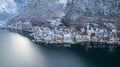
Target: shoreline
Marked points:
86	44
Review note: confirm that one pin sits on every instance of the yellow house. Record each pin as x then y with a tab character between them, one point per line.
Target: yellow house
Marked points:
46	39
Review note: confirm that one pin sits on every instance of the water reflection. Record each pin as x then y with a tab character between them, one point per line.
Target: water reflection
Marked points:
18	51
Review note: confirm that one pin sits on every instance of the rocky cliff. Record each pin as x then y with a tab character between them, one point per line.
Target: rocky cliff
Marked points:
80	11
41	11
73	12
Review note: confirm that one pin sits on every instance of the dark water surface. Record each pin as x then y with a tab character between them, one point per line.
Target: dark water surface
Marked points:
18	51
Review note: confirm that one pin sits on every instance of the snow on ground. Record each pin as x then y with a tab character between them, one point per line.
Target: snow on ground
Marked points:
8	6
63	2
2	23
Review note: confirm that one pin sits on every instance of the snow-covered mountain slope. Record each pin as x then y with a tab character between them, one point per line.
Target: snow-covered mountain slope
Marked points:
42	10
3	23
80	11
9	8
74	12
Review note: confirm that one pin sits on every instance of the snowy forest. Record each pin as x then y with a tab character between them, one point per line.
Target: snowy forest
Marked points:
71	12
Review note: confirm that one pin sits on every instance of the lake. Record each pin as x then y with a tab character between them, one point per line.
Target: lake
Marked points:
19	51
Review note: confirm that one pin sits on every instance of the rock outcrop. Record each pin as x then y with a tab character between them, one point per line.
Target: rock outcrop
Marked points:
81	11
40	11
74	13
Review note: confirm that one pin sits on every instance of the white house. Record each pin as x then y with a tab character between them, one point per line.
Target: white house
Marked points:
79	38
90	29
67	38
56	22
112	40
114	30
86	37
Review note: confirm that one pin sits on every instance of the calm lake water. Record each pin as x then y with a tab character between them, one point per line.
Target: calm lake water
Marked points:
18	51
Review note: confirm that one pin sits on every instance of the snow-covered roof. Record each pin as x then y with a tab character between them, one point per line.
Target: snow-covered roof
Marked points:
112	26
